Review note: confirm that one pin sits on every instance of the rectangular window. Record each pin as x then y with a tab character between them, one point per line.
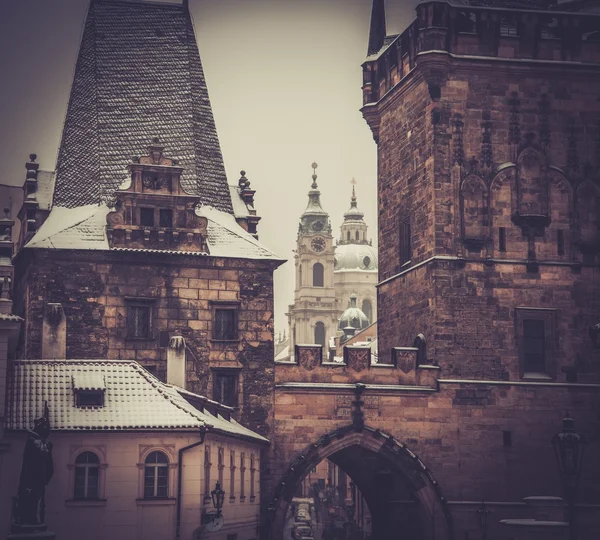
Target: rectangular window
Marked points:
221	464
147	217
536	329
502	239
207	465
225	323
225	387
252	478
139	320
242	476
405	241
165	217
232	476
89	398
534	349
560	242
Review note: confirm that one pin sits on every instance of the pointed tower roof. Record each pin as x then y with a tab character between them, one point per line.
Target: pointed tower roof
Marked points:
377	29
314	218
353	214
138	76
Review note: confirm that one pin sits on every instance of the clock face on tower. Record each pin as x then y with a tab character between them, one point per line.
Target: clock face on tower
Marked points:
318	244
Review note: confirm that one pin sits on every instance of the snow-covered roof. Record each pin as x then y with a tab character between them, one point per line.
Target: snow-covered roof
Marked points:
240	209
84	227
225	238
45	189
9	317
133	399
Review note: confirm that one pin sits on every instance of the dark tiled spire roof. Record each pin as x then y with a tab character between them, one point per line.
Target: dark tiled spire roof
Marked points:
138	76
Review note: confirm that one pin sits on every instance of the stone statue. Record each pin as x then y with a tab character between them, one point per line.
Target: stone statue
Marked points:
36	472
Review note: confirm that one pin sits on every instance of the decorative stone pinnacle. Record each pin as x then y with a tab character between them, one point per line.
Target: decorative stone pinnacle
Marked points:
243	182
32	157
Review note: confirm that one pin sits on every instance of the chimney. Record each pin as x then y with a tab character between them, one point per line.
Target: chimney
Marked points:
176	361
54	332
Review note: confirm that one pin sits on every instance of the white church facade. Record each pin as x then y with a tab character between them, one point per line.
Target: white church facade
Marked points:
330	276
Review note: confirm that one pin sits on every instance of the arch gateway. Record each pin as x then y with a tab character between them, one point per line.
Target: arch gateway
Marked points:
408	505
362	417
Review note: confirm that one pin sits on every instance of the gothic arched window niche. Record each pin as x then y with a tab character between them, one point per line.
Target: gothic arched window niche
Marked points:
318	275
474	210
561	212
320	334
531	182
588	215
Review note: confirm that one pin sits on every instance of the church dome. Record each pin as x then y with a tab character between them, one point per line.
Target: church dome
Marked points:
353	316
355	257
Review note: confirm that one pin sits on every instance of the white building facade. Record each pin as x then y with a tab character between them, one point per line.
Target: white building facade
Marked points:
329	273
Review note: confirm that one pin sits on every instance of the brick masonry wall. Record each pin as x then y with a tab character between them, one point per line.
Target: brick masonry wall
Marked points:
93	287
458	434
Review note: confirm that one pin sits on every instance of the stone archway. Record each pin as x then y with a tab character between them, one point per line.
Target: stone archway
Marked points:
354	447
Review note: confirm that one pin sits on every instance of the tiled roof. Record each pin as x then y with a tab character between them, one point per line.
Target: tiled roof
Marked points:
133	399
138	76
85	228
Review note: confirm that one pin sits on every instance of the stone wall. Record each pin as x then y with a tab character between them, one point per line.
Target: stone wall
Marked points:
93	289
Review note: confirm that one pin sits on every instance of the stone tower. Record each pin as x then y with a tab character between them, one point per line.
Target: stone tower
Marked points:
314	315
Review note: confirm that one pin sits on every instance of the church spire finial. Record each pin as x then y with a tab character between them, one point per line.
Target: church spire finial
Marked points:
377	30
314	175
353	199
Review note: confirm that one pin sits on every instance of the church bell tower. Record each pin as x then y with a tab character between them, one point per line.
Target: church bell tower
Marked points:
314	314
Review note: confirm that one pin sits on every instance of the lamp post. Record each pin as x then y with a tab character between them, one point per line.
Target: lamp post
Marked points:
568	448
482	520
218	496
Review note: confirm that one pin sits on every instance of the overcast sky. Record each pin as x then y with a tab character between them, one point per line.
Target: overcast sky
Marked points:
284	79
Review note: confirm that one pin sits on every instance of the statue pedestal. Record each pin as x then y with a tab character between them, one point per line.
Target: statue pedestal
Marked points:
27	532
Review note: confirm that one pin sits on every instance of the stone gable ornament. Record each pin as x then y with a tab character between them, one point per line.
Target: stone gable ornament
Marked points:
36	471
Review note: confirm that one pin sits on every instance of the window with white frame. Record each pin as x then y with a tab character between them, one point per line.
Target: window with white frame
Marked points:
87	476
156	476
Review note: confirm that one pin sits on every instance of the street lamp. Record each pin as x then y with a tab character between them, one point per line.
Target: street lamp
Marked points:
482	520
218	496
568	448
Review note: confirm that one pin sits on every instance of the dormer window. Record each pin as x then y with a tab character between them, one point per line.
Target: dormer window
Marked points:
90	398
166	218
147	217
89	389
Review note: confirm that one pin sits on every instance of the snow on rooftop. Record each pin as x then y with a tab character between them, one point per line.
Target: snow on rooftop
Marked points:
133	399
84	227
226	238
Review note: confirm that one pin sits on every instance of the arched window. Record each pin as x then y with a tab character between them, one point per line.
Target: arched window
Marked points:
357	235
318	275
300	275
87	473
367	309
348	236
320	334
156	476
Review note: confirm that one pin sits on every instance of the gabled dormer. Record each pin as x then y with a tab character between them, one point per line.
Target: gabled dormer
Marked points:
154	211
